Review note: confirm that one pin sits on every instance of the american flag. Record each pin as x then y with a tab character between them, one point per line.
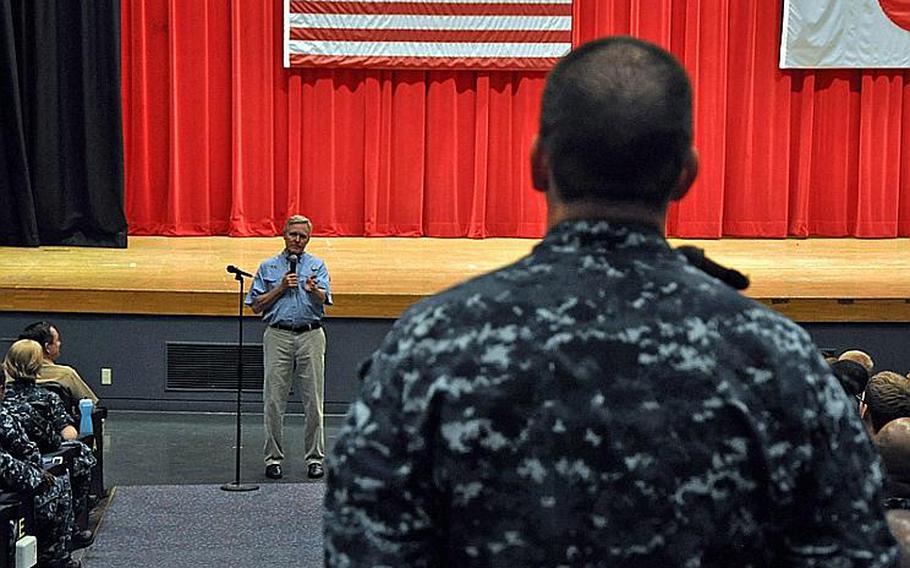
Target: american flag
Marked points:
427	34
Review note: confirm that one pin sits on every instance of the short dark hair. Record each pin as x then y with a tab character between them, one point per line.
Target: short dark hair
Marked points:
616	122
888	398
39	331
851	375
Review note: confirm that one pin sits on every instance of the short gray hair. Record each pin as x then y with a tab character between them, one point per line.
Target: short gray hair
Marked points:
297	220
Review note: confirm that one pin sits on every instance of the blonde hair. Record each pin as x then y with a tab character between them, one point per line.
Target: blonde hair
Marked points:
297	220
858	356
23	360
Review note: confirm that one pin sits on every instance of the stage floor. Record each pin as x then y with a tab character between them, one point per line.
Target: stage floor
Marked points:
813	280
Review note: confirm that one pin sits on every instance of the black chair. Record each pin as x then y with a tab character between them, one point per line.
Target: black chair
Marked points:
59	462
99	491
17	513
17	519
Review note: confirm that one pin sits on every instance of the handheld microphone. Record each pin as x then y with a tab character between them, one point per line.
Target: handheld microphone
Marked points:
234	270
292	260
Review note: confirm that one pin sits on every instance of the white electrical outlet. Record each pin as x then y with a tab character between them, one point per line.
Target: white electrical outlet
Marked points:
106	376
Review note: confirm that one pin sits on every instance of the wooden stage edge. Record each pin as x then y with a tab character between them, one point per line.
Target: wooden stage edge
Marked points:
812	280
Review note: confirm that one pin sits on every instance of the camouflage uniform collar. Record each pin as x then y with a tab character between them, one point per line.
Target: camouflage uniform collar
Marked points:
578	233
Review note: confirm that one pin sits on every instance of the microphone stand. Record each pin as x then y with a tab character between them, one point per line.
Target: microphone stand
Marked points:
236	485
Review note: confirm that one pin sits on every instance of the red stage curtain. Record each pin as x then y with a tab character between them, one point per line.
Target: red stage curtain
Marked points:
221	140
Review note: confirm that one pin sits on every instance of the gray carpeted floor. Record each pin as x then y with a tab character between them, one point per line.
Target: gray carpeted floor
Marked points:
189	448
200	526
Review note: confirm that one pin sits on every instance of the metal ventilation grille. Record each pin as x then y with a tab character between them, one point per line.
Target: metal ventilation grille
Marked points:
212	366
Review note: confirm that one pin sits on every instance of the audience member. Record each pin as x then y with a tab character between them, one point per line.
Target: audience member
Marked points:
48	336
893	443
21	469
852	376
860	357
899	522
47	423
830	355
602	402
886	398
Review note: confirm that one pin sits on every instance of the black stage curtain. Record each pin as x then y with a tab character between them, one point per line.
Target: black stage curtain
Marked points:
61	139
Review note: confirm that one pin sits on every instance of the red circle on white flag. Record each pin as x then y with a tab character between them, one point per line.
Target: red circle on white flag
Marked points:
898	11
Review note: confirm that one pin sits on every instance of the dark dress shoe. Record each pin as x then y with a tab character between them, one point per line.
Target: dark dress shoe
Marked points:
273	471
82	539
315	471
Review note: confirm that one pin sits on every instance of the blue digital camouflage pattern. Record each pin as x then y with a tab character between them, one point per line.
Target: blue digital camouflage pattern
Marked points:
24	474
39	429
43	415
21	472
52	408
602	402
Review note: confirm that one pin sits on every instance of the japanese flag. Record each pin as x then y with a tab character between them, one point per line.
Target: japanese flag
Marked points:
845	33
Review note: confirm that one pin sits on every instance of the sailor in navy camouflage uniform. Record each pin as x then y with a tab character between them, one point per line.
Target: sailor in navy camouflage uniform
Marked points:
42	413
602	402
22	471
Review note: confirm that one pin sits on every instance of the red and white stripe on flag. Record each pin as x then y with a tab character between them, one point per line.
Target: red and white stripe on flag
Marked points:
845	33
427	34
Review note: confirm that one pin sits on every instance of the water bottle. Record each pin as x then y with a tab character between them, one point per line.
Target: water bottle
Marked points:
85	422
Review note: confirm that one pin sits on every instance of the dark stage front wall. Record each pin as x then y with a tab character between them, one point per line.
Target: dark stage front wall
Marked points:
134	347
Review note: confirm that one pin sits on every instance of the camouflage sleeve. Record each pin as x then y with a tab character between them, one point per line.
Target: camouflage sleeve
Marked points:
17	475
41	431
841	520
17	442
14	438
379	488
825	478
59	416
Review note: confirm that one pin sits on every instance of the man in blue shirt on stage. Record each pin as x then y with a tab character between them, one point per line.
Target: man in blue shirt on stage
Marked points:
291	290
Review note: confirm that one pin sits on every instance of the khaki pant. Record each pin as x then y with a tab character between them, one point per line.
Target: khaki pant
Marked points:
290	356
